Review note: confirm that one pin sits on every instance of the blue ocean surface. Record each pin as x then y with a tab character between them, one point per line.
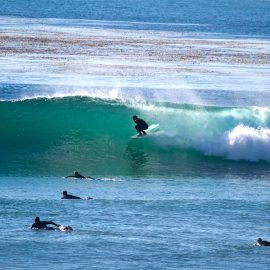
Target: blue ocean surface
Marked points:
235	17
194	194
183	223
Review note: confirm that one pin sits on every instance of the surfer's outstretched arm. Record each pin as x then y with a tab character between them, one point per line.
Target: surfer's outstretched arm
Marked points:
51	223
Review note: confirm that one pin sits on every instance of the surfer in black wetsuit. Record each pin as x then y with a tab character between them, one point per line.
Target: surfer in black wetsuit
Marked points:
261	242
79	176
38	224
141	125
69	196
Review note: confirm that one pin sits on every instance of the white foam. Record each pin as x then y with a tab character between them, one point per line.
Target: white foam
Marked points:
112	94
241	143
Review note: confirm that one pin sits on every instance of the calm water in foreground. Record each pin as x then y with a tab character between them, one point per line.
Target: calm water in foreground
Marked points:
146	224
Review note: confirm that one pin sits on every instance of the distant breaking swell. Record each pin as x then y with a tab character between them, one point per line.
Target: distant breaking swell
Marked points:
56	136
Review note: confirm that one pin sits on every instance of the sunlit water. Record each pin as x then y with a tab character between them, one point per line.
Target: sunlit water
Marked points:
195	195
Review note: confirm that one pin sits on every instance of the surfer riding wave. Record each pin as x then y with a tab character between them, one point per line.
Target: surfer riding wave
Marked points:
141	125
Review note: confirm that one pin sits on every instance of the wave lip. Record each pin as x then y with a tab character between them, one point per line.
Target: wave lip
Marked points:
243	143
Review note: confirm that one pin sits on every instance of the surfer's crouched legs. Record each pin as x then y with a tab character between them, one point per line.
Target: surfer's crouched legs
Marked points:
140	130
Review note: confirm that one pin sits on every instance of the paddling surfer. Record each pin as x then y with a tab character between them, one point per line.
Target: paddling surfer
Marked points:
42	225
261	242
38	224
79	176
67	196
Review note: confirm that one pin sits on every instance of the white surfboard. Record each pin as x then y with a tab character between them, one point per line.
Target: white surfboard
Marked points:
64	228
151	130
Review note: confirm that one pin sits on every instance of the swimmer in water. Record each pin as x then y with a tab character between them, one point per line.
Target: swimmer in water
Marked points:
79	176
67	196
261	242
38	224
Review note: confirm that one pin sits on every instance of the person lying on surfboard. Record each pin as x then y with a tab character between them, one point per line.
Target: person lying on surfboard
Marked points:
261	242
38	224
79	176
67	196
42	225
141	125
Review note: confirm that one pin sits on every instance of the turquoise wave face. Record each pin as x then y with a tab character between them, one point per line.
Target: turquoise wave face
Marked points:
58	136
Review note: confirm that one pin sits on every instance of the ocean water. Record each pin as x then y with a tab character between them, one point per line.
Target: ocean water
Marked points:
193	195
182	223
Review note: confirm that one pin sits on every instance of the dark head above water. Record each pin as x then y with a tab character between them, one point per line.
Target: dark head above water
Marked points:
37	219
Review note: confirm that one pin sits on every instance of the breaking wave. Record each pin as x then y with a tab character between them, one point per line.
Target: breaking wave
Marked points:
55	136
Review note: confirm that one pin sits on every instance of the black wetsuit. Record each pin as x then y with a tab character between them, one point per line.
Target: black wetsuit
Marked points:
70	197
141	126
43	225
263	243
79	176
